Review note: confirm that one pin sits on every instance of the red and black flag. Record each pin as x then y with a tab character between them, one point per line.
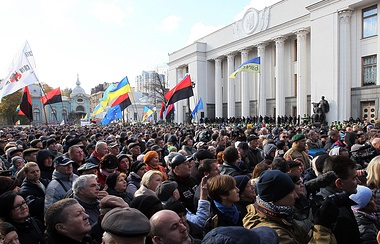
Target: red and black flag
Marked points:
162	110
123	101
53	96
26	104
182	90
169	112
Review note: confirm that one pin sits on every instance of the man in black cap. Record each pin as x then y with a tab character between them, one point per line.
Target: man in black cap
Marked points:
63	179
125	225
255	154
134	149
180	172
51	145
274	207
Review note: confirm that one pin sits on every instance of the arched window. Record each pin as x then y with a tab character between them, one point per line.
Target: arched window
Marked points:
36	114
79	109
64	114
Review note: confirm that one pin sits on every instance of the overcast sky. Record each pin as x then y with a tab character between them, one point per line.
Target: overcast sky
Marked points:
105	40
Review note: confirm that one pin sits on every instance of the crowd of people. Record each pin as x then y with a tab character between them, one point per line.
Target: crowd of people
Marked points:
225	182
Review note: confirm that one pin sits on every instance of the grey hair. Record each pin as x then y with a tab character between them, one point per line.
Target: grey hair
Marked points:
81	182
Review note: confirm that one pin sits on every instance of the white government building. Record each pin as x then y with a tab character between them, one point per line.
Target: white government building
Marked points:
308	49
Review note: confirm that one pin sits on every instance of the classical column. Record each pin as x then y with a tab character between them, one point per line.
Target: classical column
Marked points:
230	86
262	99
244	86
344	80
302	72
280	76
218	88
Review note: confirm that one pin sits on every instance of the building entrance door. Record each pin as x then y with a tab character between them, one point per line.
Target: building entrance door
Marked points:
368	111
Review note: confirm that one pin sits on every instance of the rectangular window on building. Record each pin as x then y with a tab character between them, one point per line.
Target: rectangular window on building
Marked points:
295	50
369	70
370	21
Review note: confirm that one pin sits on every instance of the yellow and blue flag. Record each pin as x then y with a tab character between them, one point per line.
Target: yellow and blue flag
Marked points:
147	113
252	65
122	88
97	110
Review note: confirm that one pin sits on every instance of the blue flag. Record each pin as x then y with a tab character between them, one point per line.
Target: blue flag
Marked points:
198	107
113	113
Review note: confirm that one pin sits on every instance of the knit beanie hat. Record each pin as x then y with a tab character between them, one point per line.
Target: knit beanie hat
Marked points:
268	148
136	166
241	182
274	185
112	179
361	197
149	156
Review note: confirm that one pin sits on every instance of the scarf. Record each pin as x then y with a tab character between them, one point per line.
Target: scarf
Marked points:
231	213
271	210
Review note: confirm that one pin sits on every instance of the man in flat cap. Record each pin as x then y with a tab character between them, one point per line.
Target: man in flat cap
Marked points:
30	154
298	151
125	225
134	149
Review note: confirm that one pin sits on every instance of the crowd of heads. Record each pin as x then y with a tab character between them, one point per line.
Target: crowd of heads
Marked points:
178	183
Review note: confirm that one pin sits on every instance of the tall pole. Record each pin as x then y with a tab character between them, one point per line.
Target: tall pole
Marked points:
188	106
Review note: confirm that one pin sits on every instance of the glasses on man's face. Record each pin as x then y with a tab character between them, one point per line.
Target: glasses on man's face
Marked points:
19	206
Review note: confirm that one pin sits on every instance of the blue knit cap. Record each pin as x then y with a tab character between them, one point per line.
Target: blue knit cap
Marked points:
274	185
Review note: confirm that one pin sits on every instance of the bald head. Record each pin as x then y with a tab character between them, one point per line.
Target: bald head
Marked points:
376	143
167	227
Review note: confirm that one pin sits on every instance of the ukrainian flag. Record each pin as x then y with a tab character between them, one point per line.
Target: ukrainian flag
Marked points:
252	66
147	113
122	88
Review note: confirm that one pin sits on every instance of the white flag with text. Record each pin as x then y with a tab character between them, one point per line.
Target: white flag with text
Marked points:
22	72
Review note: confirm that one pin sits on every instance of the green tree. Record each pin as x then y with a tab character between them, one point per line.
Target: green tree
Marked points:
8	107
